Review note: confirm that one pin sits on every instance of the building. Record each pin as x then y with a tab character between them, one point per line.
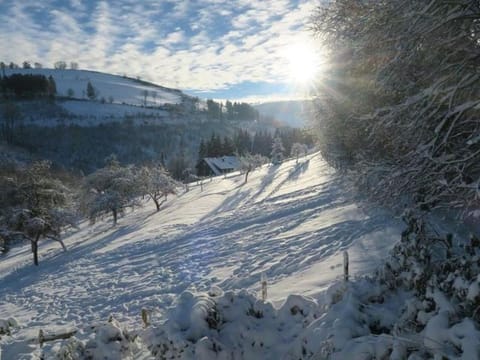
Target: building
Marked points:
220	165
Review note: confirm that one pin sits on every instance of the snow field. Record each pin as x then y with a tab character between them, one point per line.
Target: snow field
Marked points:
126	96
290	222
121	89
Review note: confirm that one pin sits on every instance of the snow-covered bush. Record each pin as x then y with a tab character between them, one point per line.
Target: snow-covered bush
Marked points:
401	100
6	326
444	279
231	325
102	341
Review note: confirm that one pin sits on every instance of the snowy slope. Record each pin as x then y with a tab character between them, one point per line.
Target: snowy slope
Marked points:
121	89
290	222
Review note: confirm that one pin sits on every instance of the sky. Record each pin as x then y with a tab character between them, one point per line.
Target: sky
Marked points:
249	50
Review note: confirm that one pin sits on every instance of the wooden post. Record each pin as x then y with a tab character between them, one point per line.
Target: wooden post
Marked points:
345	265
43	337
264	287
144	314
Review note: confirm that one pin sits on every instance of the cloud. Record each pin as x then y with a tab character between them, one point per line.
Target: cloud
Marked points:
202	46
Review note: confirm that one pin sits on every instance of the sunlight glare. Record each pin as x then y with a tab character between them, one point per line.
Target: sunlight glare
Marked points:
304	63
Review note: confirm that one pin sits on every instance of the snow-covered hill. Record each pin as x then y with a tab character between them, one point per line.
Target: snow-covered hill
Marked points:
120	89
290	222
117	98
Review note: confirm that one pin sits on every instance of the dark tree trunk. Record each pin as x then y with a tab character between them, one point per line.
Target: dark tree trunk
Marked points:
35	249
157	204
114	213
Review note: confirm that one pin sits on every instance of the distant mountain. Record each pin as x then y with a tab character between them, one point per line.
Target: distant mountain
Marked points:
295	113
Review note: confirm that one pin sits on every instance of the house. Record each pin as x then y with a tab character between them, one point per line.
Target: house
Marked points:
220	165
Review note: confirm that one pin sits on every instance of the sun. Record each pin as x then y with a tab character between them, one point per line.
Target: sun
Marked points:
303	62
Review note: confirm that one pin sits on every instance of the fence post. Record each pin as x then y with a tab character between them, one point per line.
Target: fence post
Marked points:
41	337
264	287
345	265
144	314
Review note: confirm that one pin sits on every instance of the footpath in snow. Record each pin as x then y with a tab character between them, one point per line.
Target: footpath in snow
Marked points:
290	222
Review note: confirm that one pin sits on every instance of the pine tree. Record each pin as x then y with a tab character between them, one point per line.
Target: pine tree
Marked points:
52	87
91	92
277	151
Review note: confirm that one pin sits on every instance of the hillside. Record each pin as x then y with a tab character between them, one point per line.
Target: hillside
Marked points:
290	222
117	99
121	89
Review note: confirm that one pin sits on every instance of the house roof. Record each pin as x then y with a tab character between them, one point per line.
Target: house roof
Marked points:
221	164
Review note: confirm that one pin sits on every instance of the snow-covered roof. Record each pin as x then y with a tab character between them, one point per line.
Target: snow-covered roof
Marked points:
222	164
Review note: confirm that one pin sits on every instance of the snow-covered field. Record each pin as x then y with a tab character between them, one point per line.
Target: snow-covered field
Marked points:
118	97
119	88
291	223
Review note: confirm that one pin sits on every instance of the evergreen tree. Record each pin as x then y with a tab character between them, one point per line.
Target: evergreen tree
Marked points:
52	87
228	148
277	151
91	92
202	168
229	110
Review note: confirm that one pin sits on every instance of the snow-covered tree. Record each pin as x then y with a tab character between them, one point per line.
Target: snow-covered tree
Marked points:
277	151
156	183
250	162
402	101
110	189
35	205
298	149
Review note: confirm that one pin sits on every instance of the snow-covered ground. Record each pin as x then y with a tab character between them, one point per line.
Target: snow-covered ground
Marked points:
118	97
119	88
291	223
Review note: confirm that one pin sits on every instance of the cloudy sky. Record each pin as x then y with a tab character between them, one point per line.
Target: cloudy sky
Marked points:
236	49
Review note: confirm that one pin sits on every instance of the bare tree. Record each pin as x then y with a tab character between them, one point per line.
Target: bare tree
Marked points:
60	65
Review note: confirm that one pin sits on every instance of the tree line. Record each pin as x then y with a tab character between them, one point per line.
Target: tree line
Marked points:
27	86
236	111
243	143
59	65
